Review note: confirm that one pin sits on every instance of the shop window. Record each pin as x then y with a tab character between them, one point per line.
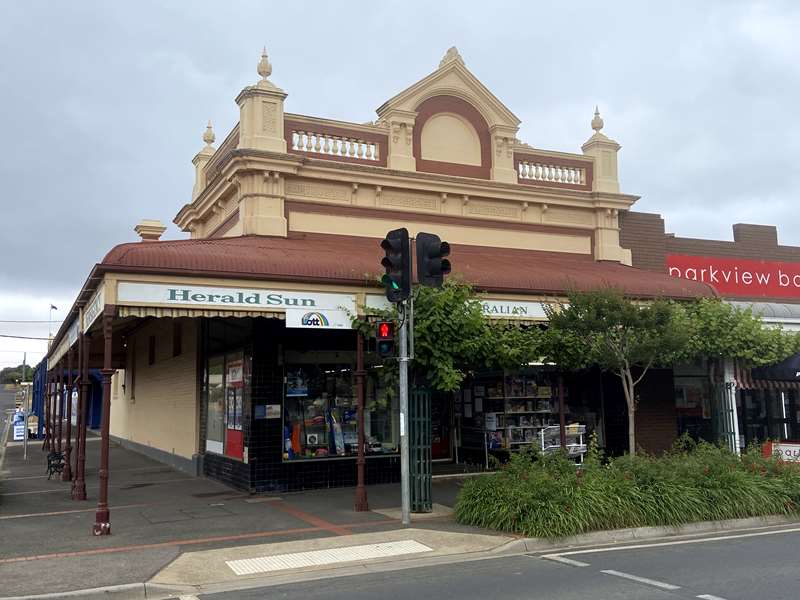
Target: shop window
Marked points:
321	411
151	350
225	404
215	432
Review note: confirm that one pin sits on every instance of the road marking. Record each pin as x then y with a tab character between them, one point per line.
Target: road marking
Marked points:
653	582
710	597
680	542
566	561
317	558
188	597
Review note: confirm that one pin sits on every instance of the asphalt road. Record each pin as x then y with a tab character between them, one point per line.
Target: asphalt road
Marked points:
729	567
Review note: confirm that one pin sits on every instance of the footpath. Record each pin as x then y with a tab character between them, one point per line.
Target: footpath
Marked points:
174	532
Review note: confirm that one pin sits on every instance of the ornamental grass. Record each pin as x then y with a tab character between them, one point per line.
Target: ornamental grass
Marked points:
547	496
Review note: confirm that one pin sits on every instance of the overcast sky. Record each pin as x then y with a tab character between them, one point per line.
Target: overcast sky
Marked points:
103	105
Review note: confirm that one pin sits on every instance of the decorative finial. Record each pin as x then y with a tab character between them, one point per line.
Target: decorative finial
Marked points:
451	55
264	67
597	122
208	135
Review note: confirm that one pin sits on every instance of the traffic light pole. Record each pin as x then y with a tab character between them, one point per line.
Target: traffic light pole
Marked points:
405	455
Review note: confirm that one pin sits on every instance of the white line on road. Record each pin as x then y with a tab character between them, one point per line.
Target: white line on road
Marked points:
680	542
566	561
653	582
710	597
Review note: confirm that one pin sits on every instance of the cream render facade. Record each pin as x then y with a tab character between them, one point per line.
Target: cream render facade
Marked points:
269	179
293	206
275	170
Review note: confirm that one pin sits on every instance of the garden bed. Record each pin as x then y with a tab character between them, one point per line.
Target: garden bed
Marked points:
548	497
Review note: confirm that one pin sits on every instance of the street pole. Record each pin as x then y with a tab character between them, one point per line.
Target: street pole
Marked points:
405	456
25	409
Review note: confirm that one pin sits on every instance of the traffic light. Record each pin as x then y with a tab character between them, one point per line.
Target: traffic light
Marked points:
397	263
432	265
385	336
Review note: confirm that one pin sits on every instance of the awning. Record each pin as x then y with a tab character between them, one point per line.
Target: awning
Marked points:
785	314
174	313
782	376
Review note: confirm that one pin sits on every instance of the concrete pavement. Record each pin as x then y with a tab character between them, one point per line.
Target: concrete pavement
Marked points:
758	565
157	514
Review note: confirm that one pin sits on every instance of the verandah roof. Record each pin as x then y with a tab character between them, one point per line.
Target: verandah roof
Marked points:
352	260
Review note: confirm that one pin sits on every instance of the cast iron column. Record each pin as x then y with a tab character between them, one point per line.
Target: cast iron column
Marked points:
102	524
46	443
79	488
561	413
66	474
361	490
59	406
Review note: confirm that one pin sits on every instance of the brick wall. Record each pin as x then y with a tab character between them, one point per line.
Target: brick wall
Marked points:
750	241
656	418
160	409
643	234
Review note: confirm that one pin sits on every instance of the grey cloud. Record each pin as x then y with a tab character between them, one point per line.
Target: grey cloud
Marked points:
105	103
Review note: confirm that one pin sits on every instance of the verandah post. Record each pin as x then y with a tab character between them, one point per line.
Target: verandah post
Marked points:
66	474
59	405
102	524
79	485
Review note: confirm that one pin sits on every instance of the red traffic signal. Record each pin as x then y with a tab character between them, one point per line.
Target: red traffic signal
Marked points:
385	330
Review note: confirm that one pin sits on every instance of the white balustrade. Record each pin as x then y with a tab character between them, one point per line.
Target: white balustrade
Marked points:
531	170
334	146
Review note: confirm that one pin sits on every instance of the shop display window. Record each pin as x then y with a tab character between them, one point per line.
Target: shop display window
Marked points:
225	404
321	412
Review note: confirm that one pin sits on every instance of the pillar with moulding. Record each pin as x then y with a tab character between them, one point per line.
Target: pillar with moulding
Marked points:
606	237
401	140
503	138
201	160
261	113
261	193
150	230
604	150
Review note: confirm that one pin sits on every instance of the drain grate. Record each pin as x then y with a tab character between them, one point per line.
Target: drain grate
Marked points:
316	558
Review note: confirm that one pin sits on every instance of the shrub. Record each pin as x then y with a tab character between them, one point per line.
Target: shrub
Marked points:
547	496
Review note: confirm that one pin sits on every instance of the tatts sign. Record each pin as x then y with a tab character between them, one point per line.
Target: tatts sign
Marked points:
739	276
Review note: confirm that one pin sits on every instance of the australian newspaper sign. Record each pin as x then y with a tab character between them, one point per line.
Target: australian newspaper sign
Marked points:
741	277
307	310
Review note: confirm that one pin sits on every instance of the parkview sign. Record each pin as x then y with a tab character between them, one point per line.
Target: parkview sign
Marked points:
740	277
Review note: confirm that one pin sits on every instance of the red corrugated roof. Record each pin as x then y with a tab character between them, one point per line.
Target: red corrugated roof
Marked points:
349	259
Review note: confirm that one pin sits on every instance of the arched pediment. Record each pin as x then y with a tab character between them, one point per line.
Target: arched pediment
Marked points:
452	137
452	78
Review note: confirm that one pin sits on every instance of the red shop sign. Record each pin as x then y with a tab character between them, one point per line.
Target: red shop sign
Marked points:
739	276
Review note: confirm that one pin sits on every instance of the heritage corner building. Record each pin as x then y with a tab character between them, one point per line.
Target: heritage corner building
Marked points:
230	354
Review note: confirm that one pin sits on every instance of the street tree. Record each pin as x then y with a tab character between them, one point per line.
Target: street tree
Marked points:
721	330
617	334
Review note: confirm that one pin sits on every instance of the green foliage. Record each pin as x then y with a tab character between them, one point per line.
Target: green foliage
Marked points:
607	329
451	336
547	496
14	374
720	330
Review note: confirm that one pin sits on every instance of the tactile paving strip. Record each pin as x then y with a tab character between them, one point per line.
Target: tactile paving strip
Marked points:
316	558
